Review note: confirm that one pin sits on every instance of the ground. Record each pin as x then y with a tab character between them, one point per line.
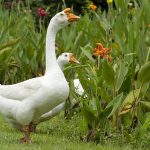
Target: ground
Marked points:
56	134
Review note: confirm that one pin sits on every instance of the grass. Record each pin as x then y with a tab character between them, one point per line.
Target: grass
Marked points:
56	134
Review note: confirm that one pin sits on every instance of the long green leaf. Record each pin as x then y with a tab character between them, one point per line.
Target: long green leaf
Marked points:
108	73
115	103
87	54
146	125
2	51
146	103
104	94
123	70
144	73
102	116
10	43
88	114
127	104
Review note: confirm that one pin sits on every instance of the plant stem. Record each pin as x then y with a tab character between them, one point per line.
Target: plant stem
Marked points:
148	54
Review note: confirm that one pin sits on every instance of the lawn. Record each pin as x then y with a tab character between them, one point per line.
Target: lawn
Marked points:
57	134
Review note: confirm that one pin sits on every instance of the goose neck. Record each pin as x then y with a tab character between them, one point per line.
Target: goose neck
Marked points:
60	64
51	61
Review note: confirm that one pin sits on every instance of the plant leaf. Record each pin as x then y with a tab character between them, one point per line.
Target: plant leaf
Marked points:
144	73
146	103
103	115
108	73
115	103
146	125
87	54
122	72
127	104
104	94
88	114
9	43
4	50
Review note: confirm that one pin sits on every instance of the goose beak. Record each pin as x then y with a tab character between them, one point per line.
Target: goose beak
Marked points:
71	17
72	59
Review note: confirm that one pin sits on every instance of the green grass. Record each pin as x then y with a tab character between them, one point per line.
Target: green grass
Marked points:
56	134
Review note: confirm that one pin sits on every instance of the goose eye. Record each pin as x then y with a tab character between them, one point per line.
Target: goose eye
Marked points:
65	55
61	14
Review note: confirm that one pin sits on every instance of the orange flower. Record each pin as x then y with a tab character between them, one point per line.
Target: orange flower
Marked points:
92	7
102	52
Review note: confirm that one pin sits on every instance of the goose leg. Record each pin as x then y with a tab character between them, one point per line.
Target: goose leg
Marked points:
26	130
32	127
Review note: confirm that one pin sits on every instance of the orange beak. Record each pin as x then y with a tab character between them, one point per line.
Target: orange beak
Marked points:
72	59
71	16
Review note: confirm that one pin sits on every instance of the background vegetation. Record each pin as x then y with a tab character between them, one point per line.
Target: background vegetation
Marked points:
116	102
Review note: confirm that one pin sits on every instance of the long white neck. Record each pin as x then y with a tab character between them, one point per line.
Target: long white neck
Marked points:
61	64
51	62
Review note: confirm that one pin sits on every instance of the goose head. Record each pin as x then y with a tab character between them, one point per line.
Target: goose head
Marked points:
63	18
66	58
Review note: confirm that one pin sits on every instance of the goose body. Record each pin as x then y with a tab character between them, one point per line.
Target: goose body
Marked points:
43	97
78	89
55	111
63	59
27	101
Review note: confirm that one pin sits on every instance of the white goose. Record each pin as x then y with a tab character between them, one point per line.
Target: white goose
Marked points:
55	111
63	59
27	101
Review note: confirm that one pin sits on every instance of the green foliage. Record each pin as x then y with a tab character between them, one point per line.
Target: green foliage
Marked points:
129	100
144	73
89	114
108	73
104	94
21	45
145	125
115	84
121	74
146	104
115	103
9	44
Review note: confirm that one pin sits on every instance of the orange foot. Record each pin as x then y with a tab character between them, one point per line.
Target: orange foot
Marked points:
32	127
26	130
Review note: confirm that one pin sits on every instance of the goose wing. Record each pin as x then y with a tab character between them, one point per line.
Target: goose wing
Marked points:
21	90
